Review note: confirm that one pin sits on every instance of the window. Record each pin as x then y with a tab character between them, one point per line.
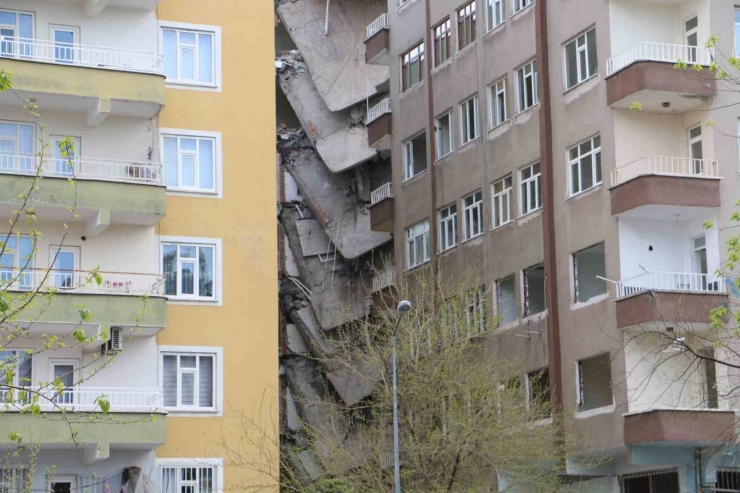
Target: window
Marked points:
700	254
190	162
448	228
498	103
65	153
506	301
585	165
65	266
501	193
710	397
65	41
442	35
665	481
412	67
189	270
538	393
445	139
189	381
190	475
526	80
14	26
14	479
20	362
531	196
418	250
415	156
469	120
580	59
17	147
495	13
692	39
15	261
595	383
728	479
466	19
475	311
737	32
534	290
520	4
696	153
589	271
191	56
473	215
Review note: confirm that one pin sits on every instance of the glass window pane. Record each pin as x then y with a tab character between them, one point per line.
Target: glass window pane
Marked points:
598	167
574	181
187	59
205	265
26	29
205	164
187	361
570	62
587	172
187	251
188	278
187	38
169	268
170	161
169	380
189	145
169	39
593	63
188	170
8	18
205	381
205	58
188	389
586	147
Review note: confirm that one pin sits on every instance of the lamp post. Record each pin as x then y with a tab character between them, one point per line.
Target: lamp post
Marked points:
403	308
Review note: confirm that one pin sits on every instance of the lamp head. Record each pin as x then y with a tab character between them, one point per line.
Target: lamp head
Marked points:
403	308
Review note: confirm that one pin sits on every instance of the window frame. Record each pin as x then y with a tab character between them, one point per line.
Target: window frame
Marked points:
426	244
442	32
524	184
216	464
595	164
528	377
475	311
736	31
217	268
19	355
405	146
491	9
574	270
451	130
421	57
523	104
525	292
579	386
464	122
496	200
449	220
215	31
15	253
468	212
17	31
14	484
179	133
499	297
590	71
218	378
520	5
496	106
27	163
466	19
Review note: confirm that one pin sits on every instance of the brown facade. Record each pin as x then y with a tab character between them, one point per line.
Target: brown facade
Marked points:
381	216
379	132
703	427
376	47
665	190
667	307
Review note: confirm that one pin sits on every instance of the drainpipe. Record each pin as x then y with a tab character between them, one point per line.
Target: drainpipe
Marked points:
431	148
548	231
326	24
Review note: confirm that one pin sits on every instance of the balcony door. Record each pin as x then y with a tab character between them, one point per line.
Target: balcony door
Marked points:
692	40
700	261
66	40
65	262
696	153
16	147
64	165
65	370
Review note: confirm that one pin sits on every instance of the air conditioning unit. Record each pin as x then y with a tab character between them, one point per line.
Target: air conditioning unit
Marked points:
115	342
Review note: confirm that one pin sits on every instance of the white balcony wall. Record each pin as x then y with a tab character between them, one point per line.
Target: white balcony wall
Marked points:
639	134
671	242
633	21
114	27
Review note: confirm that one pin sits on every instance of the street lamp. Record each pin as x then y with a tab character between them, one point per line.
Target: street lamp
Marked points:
403	308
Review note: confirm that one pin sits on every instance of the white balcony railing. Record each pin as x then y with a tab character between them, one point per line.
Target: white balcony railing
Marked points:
384	192
378	110
376	26
384	279
85	399
80	55
83	168
669	166
671	281
659	52
75	281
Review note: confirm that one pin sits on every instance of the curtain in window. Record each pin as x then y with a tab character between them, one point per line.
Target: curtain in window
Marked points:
205	383
205	262
169	383
169	269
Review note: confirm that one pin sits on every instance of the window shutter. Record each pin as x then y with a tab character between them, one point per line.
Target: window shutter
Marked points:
170	381
205	398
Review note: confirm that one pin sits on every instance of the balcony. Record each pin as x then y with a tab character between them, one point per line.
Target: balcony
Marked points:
665	181
645	73
381	209
85	399
384	279
121	82
380	125
664	426
377	41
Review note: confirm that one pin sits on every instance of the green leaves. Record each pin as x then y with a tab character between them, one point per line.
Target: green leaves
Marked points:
85	314
5	80
79	334
636	106
103	403
14	436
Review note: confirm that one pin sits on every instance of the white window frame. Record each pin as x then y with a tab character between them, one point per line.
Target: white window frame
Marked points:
736	12
584	48
497	107
497	299
443	33
194	28
216	464
75	42
468	212
520	5
407	148
76	251
412	236
216	192
218	378
217	268
534	181
17	28
687	34
465	108
445	242
28	163
466	16
19	353
475	311
523	104
11	479
451	130
578	160
420	54
497	10
497	200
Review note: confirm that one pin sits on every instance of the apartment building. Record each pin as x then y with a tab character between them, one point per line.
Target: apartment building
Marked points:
520	157
170	107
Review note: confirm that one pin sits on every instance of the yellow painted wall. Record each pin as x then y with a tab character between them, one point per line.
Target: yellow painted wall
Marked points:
246	324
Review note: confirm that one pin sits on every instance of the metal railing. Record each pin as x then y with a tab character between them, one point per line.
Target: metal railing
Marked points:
659	52
377	25
85	399
83	168
671	281
76	281
384	279
384	192
378	110
80	55
669	166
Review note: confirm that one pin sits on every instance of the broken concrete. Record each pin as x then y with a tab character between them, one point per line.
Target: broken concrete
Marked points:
337	60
